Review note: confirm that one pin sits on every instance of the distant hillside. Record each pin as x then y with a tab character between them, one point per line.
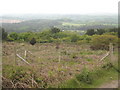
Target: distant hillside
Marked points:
31	25
65	22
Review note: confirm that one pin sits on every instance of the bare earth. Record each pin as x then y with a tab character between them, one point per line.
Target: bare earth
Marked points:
112	84
10	21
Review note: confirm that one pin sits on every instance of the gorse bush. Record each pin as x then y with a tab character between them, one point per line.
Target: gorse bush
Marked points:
13	36
33	41
91	79
74	38
55	30
56	35
103	41
16	74
85	76
101	31
90	32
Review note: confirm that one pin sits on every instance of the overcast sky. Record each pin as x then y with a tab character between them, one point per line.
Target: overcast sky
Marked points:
58	6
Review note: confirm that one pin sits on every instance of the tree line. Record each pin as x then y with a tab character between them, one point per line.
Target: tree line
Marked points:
97	38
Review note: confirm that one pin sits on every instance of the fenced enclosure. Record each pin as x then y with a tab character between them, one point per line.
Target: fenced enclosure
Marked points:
25	55
48	65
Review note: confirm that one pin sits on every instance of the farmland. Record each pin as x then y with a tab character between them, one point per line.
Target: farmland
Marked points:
10	21
71	24
66	22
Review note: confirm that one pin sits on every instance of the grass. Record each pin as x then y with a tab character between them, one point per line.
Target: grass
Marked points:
23	28
72	24
93	79
90	52
46	63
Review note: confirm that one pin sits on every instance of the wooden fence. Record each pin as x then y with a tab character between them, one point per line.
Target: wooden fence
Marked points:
26	61
110	54
29	53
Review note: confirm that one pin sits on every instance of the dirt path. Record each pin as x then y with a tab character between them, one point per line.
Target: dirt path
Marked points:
112	84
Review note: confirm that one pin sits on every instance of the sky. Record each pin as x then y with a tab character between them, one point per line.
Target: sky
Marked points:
58	6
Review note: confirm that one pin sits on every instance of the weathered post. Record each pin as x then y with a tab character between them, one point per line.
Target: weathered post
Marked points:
15	55
25	54
59	56
32	76
111	53
32	80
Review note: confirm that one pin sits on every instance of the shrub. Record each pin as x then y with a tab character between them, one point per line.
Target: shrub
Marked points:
100	31
103	41
15	73
111	33
66	39
107	66
55	30
90	32
84	39
74	38
85	77
33	41
13	35
74	56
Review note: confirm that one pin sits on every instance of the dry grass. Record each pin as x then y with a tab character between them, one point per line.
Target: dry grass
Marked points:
45	60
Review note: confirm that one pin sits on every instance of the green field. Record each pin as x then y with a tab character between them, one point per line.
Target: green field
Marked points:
72	24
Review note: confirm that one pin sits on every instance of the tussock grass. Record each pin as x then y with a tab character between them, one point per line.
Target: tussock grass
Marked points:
92	79
48	71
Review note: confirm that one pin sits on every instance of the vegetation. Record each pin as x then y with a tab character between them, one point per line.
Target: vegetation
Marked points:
100	38
33	41
55	33
64	22
57	56
90	32
4	34
55	30
103	41
101	31
45	67
92	79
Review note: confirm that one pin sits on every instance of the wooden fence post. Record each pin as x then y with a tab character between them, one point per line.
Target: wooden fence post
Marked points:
111	53
22	59
15	55
59	56
25	54
58	49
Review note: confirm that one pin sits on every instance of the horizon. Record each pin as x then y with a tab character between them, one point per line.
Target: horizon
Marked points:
60	14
